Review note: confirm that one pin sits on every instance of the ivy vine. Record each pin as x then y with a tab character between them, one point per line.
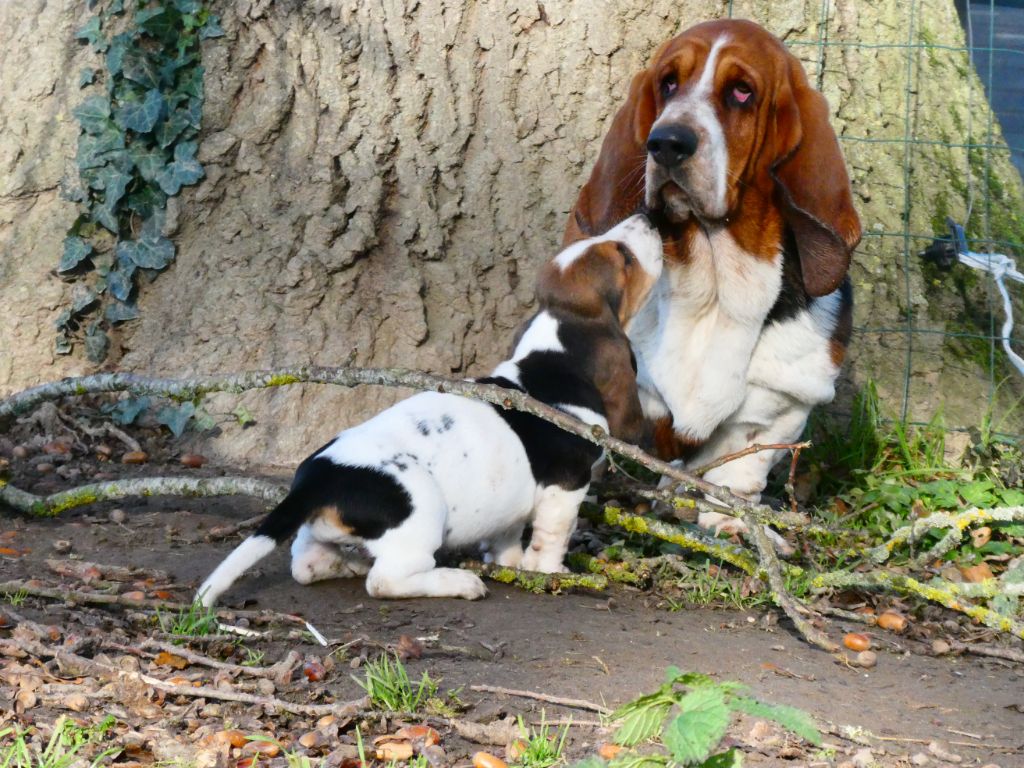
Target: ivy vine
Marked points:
137	148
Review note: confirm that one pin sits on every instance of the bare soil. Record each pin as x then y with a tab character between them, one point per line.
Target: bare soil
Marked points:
603	647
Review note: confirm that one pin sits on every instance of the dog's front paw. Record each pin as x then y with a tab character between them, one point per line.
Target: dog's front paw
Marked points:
472	587
542	561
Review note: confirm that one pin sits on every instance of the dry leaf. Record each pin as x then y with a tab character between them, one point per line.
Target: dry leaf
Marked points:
165	659
408	648
981	536
977	573
394	750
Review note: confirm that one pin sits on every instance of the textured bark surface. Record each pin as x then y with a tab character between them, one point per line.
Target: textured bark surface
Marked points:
384	178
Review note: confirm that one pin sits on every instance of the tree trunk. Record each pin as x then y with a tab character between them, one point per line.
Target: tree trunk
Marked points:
384	178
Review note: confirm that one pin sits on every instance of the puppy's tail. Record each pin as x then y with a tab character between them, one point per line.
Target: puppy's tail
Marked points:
280	525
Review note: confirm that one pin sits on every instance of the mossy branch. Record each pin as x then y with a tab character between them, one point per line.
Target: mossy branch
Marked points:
539	583
956	523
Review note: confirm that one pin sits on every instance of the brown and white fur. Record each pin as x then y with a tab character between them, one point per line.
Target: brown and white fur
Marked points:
748	326
443	471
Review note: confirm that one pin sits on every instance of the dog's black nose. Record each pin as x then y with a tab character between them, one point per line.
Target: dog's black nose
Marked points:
671	144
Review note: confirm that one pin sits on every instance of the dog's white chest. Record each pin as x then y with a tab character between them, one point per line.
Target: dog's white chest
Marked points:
695	338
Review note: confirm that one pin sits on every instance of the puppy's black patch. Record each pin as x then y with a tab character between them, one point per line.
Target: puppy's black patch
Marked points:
423	428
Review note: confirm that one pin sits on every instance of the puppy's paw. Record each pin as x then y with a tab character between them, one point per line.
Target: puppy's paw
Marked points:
733	526
466	585
543	561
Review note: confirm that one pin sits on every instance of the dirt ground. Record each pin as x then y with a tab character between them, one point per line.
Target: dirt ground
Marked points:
603	647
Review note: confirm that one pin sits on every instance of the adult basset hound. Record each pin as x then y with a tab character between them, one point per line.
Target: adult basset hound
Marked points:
723	139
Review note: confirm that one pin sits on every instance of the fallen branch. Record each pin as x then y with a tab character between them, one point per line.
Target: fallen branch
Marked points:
956	522
937	591
755	448
539	583
635	574
547	698
993	651
275	672
54	504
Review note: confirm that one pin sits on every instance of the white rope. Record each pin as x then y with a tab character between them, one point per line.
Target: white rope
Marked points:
1000	266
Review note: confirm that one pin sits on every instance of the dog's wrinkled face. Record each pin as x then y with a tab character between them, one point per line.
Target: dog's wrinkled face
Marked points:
608	275
717	90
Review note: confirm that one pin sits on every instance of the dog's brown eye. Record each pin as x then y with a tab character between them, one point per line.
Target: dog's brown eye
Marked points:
669	84
627	254
740	94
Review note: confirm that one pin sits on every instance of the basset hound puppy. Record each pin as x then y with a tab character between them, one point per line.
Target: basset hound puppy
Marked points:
443	471
724	139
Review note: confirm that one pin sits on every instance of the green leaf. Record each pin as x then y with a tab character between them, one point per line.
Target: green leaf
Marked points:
92	32
211	28
150	254
81	298
141	116
188	6
93	115
119	280
146	201
170	129
159	21
127	411
696	731
641	724
62	344
138	68
149	160
96	343
104	215
75	251
185	169
244	417
731	759
119	312
113	182
115	55
790	718
95	151
175	417
590	762
86	77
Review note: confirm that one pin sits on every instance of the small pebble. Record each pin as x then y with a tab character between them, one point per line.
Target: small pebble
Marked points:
942	751
192	460
920	759
866	659
265	686
312	739
44	468
61	546
118	516
19	452
940	647
863	758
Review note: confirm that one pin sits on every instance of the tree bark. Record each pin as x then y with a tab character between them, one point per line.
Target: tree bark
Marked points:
384	178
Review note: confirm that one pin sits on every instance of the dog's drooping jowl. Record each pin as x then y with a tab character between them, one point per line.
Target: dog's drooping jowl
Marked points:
443	471
748	325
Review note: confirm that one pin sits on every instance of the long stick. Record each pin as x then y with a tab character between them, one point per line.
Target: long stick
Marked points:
560	700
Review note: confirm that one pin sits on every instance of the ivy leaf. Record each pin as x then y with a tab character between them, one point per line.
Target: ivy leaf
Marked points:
93	34
195	110
696	731
119	280
96	343
139	69
149	160
126	411
115	55
149	253
75	251
211	28
104	215
146	201
86	77
175	418
113	182
141	116
159	21
172	127
98	150
790	718
185	169
188	6
93	115
81	298
119	312
62	344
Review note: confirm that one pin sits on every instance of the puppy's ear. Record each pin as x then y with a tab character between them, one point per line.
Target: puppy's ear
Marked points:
616	188
616	380
812	183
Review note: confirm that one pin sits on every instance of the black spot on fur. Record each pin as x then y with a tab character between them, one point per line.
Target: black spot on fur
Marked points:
447	422
370	501
793	297
423	428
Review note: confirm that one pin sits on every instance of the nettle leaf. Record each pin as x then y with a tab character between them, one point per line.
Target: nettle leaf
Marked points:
731	759
86	77
175	417
149	160
141	116
185	169
76	250
146	252
138	68
790	718
96	343
696	731
119	312
92	32
641	724
93	115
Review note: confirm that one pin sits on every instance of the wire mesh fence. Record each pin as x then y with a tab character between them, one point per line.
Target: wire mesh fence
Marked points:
936	148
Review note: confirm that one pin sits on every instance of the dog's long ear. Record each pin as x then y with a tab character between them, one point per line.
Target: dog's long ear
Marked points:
812	183
585	288
616	185
615	377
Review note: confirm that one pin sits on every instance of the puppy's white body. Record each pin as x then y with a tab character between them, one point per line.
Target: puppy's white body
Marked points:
442	471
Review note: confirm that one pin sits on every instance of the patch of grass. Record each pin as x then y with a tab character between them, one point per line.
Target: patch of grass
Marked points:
62	750
388	685
15	599
543	747
683	724
195	621
253	658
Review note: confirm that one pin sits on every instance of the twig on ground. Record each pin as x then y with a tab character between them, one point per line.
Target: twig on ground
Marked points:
635	573
226	531
559	700
994	651
538	583
273	672
791	480
755	448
